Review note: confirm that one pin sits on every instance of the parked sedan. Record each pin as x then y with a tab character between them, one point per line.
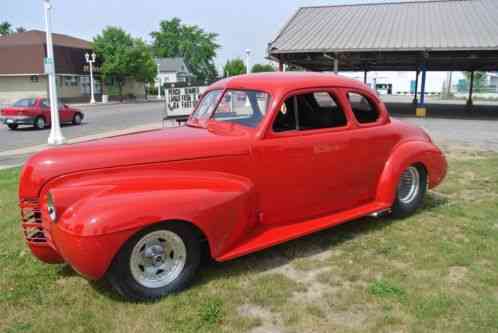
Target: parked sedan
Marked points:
36	112
263	159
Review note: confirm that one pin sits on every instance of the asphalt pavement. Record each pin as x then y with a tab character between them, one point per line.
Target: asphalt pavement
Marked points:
98	119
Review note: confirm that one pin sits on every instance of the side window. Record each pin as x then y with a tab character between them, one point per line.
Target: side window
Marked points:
319	110
309	111
363	109
286	117
45	103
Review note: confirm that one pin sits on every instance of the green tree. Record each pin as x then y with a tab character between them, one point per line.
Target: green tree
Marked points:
5	28
234	67
479	79
113	47
196	46
261	68
144	68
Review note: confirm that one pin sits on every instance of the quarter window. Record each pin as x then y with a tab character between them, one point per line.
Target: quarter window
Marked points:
309	111
363	109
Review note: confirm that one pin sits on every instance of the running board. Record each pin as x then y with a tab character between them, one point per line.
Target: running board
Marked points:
266	236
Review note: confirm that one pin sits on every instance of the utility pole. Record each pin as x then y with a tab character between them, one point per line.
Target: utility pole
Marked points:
248	58
55	137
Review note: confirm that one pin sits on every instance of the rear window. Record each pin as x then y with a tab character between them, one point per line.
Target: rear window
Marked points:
363	109
24	103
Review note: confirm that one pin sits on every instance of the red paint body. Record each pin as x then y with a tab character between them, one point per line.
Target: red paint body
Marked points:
27	115
244	189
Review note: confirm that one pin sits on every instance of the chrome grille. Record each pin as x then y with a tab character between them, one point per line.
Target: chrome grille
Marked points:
32	222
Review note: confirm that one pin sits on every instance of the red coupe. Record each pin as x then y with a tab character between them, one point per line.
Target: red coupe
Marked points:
263	159
36	112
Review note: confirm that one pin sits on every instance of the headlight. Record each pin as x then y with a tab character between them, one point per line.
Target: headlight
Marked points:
52	212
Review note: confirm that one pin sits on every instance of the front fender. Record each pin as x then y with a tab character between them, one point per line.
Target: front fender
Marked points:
221	206
404	155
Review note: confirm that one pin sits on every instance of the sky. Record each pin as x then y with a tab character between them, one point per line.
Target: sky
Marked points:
240	25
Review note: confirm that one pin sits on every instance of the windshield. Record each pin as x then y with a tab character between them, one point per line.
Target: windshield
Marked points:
207	105
24	103
244	107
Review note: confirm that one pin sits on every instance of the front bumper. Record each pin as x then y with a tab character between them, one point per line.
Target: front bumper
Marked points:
51	243
17	120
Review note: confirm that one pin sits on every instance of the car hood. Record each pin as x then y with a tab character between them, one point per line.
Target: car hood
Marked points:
165	145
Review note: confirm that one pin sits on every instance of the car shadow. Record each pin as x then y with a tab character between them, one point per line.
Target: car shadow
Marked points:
280	255
34	129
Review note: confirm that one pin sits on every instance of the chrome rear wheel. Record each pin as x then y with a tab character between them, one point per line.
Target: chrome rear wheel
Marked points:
409	185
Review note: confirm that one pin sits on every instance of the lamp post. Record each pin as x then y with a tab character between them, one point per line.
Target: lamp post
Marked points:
248	56
158	81
55	137
91	61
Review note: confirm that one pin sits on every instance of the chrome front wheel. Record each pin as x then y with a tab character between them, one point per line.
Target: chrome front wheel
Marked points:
158	259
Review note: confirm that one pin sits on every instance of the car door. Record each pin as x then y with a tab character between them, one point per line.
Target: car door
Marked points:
372	140
302	163
45	109
64	113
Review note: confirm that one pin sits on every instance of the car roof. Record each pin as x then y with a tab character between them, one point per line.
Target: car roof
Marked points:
287	81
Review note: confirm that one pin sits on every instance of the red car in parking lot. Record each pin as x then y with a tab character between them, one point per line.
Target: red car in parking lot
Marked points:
36	112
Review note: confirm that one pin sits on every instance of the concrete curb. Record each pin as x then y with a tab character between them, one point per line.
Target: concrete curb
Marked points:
100	104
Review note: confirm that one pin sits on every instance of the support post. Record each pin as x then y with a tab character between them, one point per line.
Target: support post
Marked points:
280	66
365	76
421	108
336	65
415	96
470	103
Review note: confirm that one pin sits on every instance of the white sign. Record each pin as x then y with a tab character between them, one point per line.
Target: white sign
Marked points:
181	101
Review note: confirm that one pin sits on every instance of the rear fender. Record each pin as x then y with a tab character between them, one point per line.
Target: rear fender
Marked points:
404	155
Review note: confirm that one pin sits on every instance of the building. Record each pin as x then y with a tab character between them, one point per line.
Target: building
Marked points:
413	36
22	70
172	70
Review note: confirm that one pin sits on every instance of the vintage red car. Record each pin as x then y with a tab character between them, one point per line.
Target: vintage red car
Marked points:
36	112
285	155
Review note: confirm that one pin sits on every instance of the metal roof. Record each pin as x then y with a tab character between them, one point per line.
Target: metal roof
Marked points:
439	35
403	26
172	65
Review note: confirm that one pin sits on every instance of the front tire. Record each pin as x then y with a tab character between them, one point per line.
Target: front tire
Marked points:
156	262
411	190
40	123
13	126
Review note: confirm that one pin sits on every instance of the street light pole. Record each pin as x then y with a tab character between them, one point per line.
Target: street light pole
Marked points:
158	81
91	62
55	137
248	56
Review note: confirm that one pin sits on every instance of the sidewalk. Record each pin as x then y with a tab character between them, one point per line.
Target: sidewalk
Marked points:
16	157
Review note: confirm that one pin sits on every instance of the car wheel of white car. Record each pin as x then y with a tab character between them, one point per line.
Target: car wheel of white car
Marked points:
410	192
156	262
13	126
40	123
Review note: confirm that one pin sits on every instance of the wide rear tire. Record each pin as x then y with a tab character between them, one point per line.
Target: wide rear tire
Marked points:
156	262
410	192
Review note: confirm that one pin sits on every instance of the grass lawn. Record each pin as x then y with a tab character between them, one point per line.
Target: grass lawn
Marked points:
436	271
